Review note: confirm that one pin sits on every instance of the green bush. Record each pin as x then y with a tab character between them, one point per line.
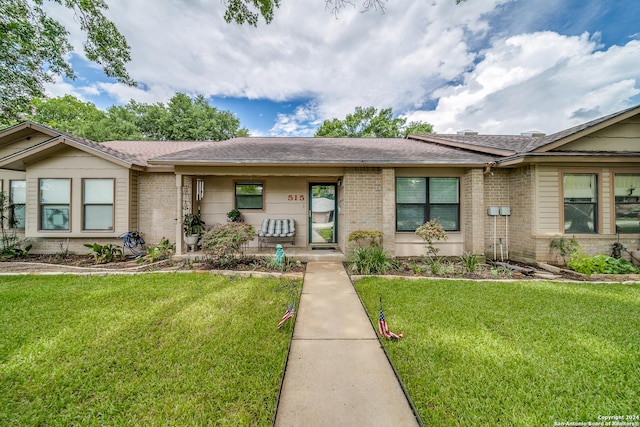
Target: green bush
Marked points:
103	254
370	259
226	241
163	250
470	261
600	264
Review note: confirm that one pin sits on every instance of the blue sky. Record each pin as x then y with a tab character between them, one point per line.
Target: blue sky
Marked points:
494	66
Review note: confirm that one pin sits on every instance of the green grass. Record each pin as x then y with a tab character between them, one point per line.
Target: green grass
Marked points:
520	353
162	349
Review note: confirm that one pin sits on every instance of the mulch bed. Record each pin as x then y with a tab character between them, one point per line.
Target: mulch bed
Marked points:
85	263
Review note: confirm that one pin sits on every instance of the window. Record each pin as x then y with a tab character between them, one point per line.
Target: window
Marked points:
249	195
54	204
419	200
97	204
17	203
627	199
580	203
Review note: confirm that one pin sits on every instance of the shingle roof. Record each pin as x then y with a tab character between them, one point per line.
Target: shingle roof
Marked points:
139	152
514	145
330	151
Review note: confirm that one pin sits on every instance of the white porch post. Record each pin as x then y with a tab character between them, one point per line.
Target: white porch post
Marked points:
180	246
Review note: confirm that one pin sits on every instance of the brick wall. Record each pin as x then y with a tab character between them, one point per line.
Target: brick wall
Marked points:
157	207
363	200
497	194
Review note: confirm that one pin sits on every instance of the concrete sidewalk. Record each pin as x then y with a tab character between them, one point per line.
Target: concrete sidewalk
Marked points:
337	373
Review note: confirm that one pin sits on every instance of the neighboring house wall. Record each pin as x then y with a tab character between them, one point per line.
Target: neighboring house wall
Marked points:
74	164
549	212
23	143
622	136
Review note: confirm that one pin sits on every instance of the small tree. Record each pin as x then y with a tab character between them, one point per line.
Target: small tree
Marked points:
564	247
431	231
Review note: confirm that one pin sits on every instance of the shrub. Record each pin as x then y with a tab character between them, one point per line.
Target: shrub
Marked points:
470	261
370	259
564	247
163	250
600	264
103	254
271	263
226	241
431	231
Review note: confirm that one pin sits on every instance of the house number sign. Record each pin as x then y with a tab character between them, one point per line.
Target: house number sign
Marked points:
295	197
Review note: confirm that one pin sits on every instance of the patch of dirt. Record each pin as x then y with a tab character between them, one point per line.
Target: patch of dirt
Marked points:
84	263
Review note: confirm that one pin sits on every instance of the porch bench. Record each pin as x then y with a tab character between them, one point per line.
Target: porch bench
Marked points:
277	230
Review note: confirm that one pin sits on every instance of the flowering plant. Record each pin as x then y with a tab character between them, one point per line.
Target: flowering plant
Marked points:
430	232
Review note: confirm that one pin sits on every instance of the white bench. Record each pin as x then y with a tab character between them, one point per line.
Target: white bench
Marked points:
277	230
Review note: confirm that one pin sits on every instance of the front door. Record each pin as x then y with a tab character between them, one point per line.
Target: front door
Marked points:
323	208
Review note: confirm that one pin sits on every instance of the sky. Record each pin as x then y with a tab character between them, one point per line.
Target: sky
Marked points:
492	66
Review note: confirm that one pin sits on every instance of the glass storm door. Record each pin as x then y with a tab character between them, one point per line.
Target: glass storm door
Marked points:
322	214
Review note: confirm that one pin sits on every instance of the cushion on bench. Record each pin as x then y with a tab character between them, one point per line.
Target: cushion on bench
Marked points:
277	228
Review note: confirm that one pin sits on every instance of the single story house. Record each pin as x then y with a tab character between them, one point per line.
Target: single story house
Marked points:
496	195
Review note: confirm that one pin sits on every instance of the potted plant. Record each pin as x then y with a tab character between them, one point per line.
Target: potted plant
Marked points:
192	225
234	215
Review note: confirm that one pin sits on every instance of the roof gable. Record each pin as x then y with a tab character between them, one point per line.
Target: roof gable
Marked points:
560	139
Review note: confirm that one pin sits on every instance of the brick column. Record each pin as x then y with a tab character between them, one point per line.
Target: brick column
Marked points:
473	211
180	246
389	210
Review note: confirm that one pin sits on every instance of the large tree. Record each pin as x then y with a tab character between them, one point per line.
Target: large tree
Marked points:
369	123
250	11
182	118
34	49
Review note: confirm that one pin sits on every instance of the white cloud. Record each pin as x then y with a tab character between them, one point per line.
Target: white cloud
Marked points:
301	123
418	53
541	81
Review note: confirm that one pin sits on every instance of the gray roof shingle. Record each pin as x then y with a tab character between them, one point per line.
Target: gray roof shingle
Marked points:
344	151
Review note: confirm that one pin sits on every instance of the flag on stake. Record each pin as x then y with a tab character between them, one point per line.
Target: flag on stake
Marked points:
383	329
287	315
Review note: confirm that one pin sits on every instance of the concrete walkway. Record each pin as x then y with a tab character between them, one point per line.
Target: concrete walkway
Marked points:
337	373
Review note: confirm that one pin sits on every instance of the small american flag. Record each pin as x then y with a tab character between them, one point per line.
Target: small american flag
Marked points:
383	329
287	315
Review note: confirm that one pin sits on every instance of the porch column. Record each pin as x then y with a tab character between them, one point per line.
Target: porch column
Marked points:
180	246
473	211
389	210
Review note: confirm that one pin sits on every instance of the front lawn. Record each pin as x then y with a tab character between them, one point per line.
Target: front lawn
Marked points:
519	353
160	349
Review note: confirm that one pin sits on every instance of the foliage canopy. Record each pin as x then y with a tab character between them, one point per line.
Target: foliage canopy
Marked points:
371	123
34	49
182	118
